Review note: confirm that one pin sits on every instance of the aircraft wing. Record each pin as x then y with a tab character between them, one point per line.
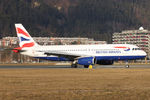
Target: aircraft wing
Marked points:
70	56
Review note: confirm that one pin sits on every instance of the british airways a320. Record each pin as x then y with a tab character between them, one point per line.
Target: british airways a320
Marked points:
86	55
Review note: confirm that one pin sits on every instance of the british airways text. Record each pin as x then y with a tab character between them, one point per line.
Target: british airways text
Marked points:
108	52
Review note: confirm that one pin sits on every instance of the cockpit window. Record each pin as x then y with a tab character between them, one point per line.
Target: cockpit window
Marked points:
136	49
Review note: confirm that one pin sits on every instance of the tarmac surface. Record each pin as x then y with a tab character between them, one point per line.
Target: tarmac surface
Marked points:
68	66
50	82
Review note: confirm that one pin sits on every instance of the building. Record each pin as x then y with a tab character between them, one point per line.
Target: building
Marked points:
13	42
140	37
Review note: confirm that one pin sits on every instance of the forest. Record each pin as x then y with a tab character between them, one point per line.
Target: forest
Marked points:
97	19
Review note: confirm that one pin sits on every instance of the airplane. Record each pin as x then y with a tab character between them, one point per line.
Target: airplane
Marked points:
86	55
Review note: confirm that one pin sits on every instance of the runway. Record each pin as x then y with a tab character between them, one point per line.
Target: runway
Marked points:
34	67
38	82
68	66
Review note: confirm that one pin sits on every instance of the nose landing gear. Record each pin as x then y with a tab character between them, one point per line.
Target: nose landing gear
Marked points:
127	65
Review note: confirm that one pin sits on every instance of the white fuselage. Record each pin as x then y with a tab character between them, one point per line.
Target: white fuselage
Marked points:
104	50
79	54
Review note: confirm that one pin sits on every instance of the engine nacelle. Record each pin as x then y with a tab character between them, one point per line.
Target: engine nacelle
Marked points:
86	61
104	62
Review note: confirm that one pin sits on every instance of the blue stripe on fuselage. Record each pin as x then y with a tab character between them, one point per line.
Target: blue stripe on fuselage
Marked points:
53	58
97	58
118	57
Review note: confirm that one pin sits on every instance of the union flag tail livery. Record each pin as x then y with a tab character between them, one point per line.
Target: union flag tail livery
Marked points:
25	40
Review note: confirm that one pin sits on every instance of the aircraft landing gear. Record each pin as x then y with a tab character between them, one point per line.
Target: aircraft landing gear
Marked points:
74	66
127	65
86	66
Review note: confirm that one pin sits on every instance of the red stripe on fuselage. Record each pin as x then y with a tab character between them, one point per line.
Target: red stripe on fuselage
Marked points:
121	47
20	31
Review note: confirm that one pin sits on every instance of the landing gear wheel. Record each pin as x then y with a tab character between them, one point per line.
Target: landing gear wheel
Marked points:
74	66
127	66
86	66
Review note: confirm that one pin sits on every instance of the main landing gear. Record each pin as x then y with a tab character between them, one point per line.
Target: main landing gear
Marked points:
86	66
74	64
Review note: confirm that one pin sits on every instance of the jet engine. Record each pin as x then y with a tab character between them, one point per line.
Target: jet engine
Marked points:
86	61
